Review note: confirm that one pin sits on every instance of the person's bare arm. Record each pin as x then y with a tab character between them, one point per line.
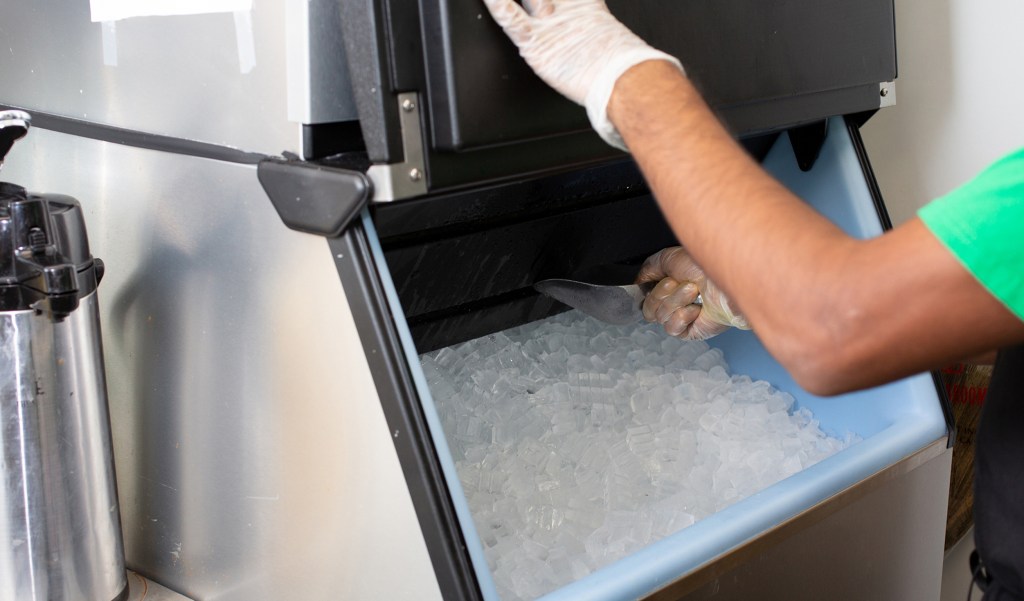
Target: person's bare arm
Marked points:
988	358
837	312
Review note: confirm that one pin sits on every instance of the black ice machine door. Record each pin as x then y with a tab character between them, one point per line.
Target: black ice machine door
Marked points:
474	112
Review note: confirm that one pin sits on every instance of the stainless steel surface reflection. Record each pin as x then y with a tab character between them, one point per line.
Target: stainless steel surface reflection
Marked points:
253	458
58	506
204	77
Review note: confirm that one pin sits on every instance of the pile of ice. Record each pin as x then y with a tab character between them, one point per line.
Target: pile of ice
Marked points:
577	443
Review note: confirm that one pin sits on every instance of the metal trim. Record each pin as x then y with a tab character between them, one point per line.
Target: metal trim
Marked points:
721	565
887	94
407	179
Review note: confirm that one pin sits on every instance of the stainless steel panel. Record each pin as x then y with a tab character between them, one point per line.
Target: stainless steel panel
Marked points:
245	81
319	88
252	454
58	507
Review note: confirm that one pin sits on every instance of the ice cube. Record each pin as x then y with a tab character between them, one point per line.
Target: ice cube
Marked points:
640	439
710	358
602	342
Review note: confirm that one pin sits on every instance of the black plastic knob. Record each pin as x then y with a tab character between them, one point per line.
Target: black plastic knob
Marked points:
13	126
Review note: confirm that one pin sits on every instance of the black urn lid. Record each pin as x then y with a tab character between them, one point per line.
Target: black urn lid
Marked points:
45	263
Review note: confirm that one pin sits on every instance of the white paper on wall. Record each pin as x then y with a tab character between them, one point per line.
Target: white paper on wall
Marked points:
113	10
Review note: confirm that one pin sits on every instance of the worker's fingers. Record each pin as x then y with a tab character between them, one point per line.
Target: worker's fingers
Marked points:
656	296
719	309
680	321
539	8
672	262
511	17
670	302
651	270
680	297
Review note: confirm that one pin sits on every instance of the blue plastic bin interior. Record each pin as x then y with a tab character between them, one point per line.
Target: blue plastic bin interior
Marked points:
894	421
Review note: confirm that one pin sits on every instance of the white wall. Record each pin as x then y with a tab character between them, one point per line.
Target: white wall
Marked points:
959	106
960	98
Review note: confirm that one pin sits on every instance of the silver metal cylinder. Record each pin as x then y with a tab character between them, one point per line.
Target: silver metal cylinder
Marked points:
60	529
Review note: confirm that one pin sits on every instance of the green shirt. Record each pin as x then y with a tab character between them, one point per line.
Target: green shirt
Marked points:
982	224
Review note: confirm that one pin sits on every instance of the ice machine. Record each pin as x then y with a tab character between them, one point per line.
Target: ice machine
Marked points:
310	195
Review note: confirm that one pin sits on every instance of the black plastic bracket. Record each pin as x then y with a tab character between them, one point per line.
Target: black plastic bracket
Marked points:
13	127
859	119
313	198
807	141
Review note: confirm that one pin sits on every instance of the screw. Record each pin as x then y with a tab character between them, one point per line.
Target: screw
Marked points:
408	105
415	174
884	92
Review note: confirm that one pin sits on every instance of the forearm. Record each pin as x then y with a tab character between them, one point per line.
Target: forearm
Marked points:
839	313
723	207
983	359
718	200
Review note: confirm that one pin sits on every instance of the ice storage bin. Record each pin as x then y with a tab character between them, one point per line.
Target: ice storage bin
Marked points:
903	427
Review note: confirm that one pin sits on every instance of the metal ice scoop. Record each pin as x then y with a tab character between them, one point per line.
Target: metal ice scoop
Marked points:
619	305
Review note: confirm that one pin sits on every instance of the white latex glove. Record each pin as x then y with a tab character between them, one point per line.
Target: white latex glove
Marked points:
578	48
670	303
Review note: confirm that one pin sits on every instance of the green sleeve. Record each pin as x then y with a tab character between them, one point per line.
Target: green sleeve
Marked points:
982	224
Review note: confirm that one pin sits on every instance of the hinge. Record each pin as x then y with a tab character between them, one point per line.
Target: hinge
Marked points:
409	178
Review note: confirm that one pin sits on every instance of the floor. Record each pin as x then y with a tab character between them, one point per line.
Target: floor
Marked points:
955	571
141	588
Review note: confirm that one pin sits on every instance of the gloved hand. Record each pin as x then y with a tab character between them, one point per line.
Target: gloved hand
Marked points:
670	303
578	48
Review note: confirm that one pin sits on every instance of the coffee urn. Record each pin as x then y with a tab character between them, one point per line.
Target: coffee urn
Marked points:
60	530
